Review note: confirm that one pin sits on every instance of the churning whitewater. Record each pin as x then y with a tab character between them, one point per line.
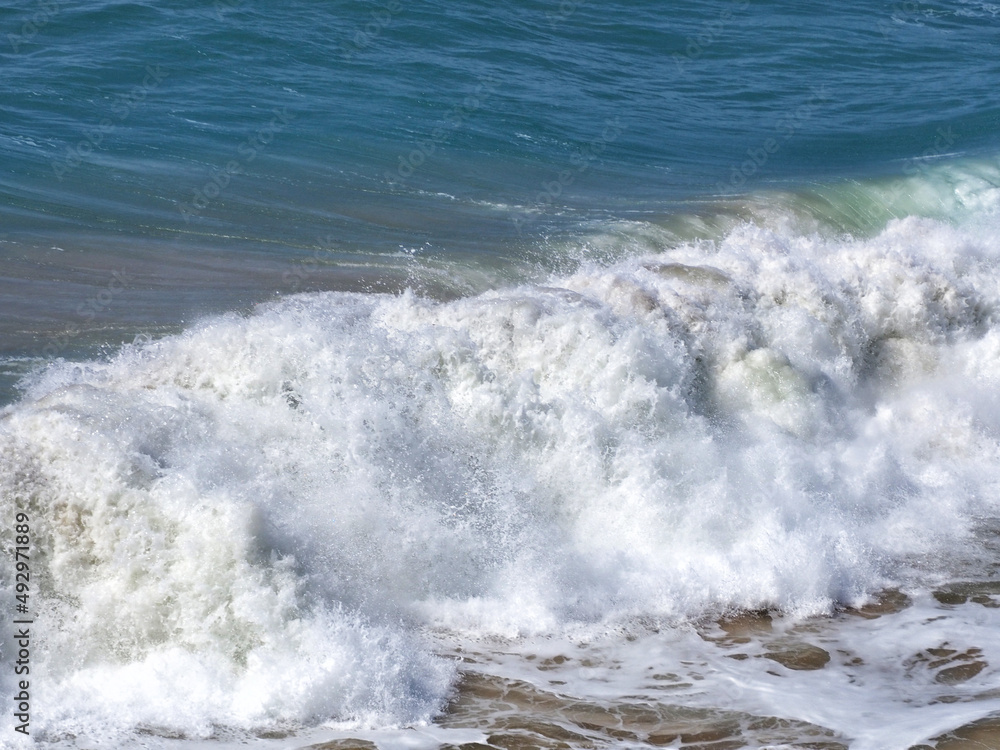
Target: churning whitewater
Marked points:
266	520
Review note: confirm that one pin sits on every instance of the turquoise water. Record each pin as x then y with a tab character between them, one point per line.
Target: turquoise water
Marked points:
357	354
154	133
363	146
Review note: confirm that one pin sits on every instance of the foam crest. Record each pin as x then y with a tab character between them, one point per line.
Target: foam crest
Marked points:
256	523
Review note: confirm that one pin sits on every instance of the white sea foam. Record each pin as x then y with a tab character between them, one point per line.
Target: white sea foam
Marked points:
258	523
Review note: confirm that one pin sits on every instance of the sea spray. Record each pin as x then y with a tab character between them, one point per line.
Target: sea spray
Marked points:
266	512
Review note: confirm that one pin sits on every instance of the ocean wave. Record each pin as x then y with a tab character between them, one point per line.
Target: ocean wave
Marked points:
258	522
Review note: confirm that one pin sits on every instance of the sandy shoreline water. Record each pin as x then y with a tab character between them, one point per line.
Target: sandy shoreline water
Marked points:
526	696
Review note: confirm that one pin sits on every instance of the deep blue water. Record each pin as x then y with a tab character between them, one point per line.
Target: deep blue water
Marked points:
207	150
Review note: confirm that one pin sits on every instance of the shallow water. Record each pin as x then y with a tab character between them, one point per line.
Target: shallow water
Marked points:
863	678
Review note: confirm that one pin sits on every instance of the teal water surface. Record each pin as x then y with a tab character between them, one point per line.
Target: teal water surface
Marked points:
217	153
